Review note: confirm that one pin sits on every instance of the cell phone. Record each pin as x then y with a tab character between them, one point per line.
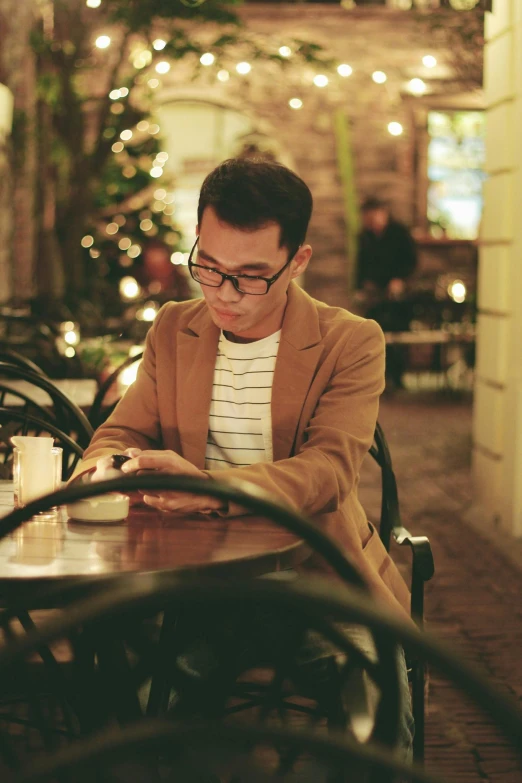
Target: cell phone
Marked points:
119	459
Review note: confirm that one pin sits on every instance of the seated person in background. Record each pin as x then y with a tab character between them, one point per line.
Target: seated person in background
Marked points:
257	380
387	257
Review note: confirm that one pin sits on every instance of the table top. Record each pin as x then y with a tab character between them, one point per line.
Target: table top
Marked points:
80	390
48	550
430	336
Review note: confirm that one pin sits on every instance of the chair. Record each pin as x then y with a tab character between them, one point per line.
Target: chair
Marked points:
13	357
113	627
99	412
69	418
211	693
14	421
422	570
295	744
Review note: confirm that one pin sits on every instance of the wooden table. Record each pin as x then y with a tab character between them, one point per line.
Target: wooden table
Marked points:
80	390
43	551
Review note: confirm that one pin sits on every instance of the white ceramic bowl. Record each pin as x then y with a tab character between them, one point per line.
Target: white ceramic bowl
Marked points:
112	507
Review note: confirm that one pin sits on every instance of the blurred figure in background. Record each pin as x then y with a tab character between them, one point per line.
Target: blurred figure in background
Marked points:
387	257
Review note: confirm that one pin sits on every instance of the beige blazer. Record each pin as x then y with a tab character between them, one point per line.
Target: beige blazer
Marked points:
327	381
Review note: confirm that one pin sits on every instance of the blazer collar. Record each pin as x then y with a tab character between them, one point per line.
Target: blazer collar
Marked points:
299	353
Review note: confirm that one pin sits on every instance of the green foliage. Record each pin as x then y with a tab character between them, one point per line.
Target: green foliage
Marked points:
137	14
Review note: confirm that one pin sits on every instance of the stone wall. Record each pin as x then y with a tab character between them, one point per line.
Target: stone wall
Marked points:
368	40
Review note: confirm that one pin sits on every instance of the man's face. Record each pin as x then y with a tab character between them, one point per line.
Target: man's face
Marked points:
235	251
375	220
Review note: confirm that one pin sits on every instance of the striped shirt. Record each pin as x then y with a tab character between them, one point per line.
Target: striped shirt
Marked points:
240	421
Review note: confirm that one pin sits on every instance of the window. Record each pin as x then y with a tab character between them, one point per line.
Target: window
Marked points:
456	155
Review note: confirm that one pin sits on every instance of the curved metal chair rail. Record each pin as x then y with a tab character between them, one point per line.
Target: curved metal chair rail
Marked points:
13	357
160	735
26	403
38	425
76	417
143	593
96	409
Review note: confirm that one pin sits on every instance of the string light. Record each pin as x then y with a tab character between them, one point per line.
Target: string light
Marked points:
321	80
207	58
223	76
103	41
87	241
142	59
159	44
125	135
94	253
153	83
153	129
417	86
129	288
243	68
162	157
124	243
160	194
379	77
429	61
124	92
285	51
162	67
117	108
128	171
93	3
120	220
457	291
344	70
156	171
395	128
295	103
114	95
118	146
134	251
112	228
146	224
142	125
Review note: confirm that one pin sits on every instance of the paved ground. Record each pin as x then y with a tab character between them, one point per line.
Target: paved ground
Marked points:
474	599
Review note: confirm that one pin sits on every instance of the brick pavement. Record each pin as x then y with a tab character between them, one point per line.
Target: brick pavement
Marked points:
473	601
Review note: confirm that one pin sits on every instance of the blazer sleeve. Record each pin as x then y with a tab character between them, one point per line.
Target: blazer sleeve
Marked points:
325	468
135	420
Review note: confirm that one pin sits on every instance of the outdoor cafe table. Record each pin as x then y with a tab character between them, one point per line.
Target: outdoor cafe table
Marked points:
44	551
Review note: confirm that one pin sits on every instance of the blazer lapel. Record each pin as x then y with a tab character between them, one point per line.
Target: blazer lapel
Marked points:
297	358
195	362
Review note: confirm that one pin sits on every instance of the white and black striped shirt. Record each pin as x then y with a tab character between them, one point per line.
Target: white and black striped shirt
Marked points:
240	421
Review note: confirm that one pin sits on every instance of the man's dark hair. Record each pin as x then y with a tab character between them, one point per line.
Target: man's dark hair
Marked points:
373	202
248	194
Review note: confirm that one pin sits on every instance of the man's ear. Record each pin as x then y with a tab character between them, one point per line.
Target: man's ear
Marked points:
300	260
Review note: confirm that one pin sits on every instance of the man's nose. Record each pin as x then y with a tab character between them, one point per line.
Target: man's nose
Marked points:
228	293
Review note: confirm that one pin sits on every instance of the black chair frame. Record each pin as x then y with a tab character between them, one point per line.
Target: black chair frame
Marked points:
318	597
69	417
97	413
422	570
24	423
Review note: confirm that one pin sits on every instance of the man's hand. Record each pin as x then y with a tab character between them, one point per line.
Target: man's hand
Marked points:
165	500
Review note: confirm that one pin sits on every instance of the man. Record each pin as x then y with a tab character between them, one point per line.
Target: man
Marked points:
257	380
387	257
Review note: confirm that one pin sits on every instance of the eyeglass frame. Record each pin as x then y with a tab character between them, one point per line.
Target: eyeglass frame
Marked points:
234	278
